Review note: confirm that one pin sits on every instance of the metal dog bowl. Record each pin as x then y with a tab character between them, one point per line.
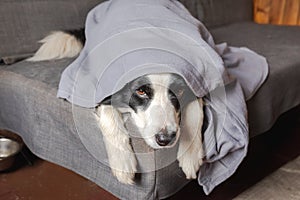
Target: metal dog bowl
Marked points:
9	148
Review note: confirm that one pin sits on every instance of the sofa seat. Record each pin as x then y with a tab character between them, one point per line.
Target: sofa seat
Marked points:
49	127
281	46
52	130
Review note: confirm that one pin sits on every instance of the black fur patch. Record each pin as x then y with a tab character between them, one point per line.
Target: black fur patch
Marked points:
179	94
79	34
128	96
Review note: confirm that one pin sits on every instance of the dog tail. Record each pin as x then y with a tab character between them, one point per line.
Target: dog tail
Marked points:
60	44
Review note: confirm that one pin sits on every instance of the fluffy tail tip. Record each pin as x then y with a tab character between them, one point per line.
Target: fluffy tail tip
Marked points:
57	45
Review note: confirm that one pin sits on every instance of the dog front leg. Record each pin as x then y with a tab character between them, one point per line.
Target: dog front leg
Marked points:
116	138
190	151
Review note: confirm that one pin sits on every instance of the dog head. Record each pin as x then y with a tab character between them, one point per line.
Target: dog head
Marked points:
155	102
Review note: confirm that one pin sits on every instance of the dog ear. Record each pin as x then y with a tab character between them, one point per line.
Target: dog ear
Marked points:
193	118
119	99
190	151
117	142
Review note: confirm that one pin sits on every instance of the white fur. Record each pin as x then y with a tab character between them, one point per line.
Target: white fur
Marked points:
57	45
190	152
116	138
160	114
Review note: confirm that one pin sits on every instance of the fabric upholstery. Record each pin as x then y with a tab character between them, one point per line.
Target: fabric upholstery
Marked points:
148	33
30	108
23	23
215	13
281	46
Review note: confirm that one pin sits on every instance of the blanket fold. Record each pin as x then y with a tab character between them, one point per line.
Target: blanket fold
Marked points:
130	38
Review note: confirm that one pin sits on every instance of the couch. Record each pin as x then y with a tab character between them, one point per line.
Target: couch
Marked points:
48	126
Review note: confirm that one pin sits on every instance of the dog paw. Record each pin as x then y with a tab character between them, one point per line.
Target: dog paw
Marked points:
124	167
190	167
190	162
124	177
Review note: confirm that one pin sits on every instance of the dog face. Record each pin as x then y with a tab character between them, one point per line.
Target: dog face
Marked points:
155	102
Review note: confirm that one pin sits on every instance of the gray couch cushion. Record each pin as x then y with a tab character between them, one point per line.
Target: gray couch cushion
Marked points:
215	13
33	111
281	46
23	23
52	130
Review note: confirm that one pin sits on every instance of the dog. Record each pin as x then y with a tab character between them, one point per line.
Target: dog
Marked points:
162	106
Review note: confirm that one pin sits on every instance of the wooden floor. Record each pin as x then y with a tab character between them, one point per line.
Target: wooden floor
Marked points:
47	181
268	152
282	184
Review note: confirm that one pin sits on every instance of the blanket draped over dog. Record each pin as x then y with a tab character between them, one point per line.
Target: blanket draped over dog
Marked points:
130	38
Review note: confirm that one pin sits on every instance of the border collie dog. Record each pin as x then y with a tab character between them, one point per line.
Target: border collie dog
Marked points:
161	105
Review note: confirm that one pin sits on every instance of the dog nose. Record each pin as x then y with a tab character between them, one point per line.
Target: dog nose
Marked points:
163	139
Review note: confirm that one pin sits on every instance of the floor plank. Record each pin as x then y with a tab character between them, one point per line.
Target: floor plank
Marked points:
282	184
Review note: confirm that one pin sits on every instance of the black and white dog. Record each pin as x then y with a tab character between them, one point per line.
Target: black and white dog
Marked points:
161	105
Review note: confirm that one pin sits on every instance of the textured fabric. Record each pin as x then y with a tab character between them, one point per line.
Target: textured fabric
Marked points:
20	100
281	46
24	23
170	39
195	8
214	13
125	41
8	60
30	108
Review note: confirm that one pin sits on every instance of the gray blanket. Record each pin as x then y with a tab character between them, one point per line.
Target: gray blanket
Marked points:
130	38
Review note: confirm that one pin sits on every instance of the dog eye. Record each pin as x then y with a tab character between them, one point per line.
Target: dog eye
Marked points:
141	92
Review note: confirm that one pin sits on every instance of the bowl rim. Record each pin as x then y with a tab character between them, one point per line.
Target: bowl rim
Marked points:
19	147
